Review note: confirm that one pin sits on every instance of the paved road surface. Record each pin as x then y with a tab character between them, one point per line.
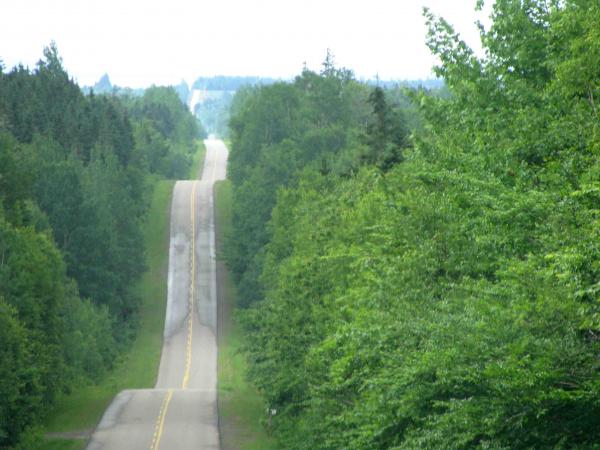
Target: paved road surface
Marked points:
181	411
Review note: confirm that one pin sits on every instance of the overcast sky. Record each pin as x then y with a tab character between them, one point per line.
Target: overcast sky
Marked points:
139	43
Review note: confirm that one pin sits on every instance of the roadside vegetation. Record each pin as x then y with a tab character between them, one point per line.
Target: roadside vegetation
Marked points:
77	177
137	367
241	408
429	283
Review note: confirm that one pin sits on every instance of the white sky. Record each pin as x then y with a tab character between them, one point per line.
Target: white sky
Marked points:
164	41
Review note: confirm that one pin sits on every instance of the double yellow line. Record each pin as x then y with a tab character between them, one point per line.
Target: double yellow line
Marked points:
188	353
160	422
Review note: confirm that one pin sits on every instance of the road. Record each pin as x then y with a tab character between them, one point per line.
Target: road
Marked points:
181	411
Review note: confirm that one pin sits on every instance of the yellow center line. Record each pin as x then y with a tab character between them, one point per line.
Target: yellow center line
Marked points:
160	423
188	359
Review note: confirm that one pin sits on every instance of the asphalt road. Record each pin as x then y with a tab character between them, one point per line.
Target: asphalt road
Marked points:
180	413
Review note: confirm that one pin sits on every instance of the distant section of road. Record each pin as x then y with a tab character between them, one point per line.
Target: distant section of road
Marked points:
181	412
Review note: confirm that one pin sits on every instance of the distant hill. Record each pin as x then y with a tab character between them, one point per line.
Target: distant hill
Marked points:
233	83
104	87
227	83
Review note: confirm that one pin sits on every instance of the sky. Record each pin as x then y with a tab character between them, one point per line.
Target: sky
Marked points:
144	42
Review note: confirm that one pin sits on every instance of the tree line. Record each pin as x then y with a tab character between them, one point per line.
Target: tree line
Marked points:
429	281
76	174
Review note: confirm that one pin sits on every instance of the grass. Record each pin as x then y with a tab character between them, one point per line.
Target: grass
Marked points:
241	408
64	444
197	162
137	367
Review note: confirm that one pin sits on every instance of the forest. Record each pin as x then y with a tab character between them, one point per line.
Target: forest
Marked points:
76	175
421	269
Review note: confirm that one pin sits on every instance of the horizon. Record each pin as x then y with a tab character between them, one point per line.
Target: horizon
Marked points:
190	84
140	44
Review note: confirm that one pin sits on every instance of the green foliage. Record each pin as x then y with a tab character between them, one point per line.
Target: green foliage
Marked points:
399	313
320	120
136	366
386	136
18	402
105	272
74	174
452	300
165	131
241	407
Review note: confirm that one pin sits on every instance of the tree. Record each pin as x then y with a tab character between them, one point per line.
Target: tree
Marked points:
450	301
19	404
75	176
276	132
386	136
